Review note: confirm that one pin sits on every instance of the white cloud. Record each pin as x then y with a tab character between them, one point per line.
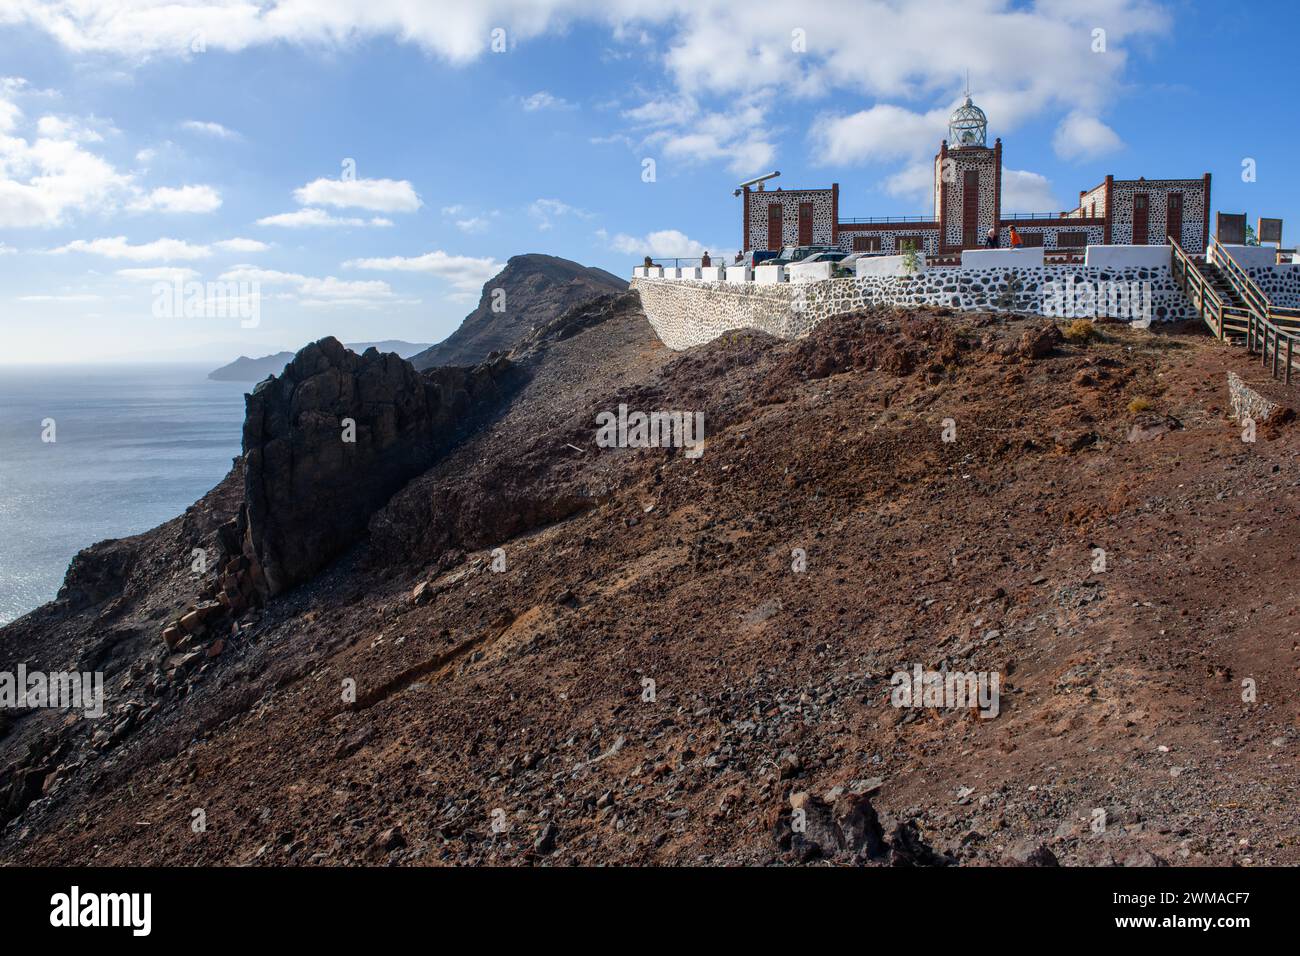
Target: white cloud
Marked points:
310	218
208	128
882	132
678	129
249	273
666	244
910	49
1080	136
1027	57
555	207
456	30
239	244
614	139
375	195
312	291
332	288
467	222
546	211
117	247
159	274
542	100
914	181
48	175
63	127
1034	53
465	273
196	199
73	297
1023	191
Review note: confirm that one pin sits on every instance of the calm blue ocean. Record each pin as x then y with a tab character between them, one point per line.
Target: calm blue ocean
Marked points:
135	446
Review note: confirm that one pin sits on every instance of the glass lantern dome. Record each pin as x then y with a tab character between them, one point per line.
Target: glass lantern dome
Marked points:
968	125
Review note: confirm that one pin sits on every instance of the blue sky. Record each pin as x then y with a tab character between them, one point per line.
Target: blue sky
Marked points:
142	142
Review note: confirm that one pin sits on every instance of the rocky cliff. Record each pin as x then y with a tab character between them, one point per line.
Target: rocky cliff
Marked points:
530	290
650	659
331	439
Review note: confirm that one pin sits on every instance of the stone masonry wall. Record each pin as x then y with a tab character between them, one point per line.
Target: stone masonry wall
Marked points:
687	313
1280	283
1245	402
789	201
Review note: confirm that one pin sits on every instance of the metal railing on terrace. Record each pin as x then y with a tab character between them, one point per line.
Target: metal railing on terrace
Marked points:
1037	215
688	262
868	219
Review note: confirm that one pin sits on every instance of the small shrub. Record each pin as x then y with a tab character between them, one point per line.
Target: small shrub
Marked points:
911	261
1139	404
1081	331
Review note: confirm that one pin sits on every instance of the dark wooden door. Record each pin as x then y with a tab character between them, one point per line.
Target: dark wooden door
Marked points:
970	210
1174	216
805	223
774	226
1141	219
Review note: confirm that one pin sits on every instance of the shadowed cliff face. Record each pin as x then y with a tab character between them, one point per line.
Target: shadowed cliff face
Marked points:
330	441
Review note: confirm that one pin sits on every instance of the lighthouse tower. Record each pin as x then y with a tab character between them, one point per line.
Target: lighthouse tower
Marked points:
967	180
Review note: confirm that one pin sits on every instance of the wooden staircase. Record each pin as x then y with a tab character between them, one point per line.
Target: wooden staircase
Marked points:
1236	309
1219	282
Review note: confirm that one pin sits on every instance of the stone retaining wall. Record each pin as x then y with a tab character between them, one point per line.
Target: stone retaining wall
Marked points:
1280	283
1245	401
689	313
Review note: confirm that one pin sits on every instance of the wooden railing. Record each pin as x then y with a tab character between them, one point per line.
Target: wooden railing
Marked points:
1270	330
1250	292
1223	318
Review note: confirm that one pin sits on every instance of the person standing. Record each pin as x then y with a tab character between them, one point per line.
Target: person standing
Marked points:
1016	241
706	262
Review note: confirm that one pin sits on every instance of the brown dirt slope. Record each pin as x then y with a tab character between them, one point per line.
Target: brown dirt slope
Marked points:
648	681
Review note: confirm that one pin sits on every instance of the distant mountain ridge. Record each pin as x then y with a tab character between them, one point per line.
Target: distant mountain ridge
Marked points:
245	369
534	289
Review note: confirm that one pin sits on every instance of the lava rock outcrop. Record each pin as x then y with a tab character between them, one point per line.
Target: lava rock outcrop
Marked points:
333	438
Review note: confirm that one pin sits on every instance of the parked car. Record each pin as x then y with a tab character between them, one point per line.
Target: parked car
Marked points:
798	254
836	256
757	257
832	257
846	267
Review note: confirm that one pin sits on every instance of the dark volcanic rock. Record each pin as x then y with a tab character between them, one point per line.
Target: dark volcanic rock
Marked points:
817	829
526	483
908	848
309	490
531	290
97	573
1039	343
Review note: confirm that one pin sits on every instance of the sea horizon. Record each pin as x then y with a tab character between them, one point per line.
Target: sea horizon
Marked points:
134	445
